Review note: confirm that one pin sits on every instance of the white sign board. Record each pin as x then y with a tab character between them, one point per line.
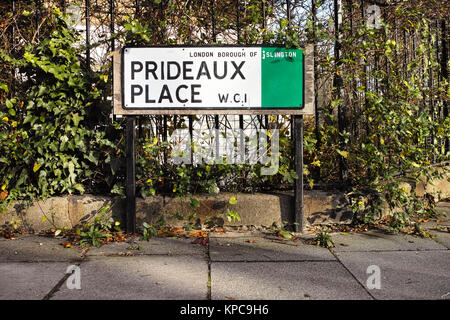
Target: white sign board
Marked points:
220	78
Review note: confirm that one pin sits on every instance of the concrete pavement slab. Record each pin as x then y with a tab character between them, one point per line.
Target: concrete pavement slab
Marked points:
155	246
261	249
436	223
140	277
442	221
443	206
441	237
380	241
439	227
236	234
404	274
37	248
283	280
29	281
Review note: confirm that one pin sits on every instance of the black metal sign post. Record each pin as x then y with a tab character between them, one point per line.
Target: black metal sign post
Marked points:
131	173
130	141
298	163
122	107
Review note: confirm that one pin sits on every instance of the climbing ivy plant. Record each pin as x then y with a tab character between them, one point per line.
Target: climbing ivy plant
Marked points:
46	145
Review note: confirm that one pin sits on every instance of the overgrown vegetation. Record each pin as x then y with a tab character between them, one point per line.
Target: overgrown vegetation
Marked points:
101	230
383	103
47	144
324	239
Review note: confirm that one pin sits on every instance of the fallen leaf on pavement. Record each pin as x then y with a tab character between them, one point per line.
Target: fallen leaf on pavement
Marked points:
284	234
178	230
198	233
66	244
166	232
126	254
230	298
202	241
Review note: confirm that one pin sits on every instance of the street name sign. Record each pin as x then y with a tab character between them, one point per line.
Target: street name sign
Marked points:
212	80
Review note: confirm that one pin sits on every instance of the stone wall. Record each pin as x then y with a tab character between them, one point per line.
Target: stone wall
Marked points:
257	209
254	209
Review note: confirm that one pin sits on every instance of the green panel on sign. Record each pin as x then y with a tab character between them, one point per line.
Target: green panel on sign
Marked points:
282	78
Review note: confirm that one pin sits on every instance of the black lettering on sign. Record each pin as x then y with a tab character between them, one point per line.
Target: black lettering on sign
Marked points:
150	67
172	70
186	70
224	70
136	90
136	66
165	94
237	70
203	71
223	98
171	76
195	93
177	93
147	95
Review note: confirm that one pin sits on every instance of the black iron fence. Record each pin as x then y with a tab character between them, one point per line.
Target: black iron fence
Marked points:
327	24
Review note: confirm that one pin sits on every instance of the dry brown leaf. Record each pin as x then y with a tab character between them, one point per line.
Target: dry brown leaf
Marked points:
166	233
178	230
3	195
198	234
66	244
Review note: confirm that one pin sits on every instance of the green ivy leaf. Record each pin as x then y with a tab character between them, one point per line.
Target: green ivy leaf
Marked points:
342	153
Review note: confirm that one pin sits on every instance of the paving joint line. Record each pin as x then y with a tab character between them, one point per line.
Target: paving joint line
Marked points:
436	241
374	251
353	276
272	261
125	255
209	282
41	261
58	286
